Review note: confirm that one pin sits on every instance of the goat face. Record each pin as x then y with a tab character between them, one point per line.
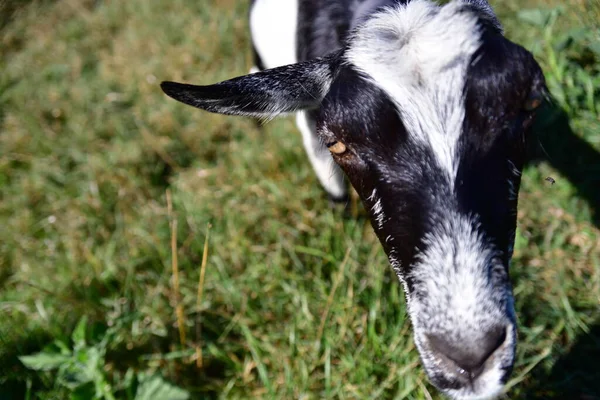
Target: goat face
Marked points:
426	110
434	133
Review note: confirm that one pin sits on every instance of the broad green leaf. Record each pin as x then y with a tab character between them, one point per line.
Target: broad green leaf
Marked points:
44	361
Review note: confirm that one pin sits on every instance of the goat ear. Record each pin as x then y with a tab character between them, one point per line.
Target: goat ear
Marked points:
263	94
486	12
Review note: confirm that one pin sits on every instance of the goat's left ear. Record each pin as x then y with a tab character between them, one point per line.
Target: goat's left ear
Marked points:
263	94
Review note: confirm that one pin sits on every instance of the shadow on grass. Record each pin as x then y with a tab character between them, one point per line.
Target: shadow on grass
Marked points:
575	374
570	154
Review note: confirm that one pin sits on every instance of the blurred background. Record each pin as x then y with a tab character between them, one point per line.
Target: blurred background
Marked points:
152	251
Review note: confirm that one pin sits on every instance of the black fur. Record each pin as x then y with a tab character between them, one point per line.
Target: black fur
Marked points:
257	60
495	133
324	25
382	156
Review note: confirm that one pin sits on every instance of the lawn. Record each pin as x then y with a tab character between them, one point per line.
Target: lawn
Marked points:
149	250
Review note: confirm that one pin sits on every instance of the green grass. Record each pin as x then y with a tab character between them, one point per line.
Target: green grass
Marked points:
298	300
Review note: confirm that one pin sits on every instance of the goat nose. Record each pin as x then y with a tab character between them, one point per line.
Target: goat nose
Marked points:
469	356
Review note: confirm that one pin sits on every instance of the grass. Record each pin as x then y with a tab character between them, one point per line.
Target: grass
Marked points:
102	176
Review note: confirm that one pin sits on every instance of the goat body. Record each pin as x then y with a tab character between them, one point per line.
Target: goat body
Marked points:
426	110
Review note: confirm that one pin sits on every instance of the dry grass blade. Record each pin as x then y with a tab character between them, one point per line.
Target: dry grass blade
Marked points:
175	271
425	391
199	298
203	269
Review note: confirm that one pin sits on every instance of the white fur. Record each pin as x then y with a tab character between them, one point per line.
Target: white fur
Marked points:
418	54
513	168
373	195
377	209
455	268
454	273
273	26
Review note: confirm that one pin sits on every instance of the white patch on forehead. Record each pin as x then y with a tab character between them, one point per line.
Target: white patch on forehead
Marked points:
418	54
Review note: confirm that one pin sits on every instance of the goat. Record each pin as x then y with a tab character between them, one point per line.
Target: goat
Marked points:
427	109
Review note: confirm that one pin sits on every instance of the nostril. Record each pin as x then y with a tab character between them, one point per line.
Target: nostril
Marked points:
469	355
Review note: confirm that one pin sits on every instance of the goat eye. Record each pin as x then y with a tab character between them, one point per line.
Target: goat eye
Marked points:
337	148
533	102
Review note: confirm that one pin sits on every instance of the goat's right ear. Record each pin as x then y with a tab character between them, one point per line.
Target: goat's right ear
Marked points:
263	94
